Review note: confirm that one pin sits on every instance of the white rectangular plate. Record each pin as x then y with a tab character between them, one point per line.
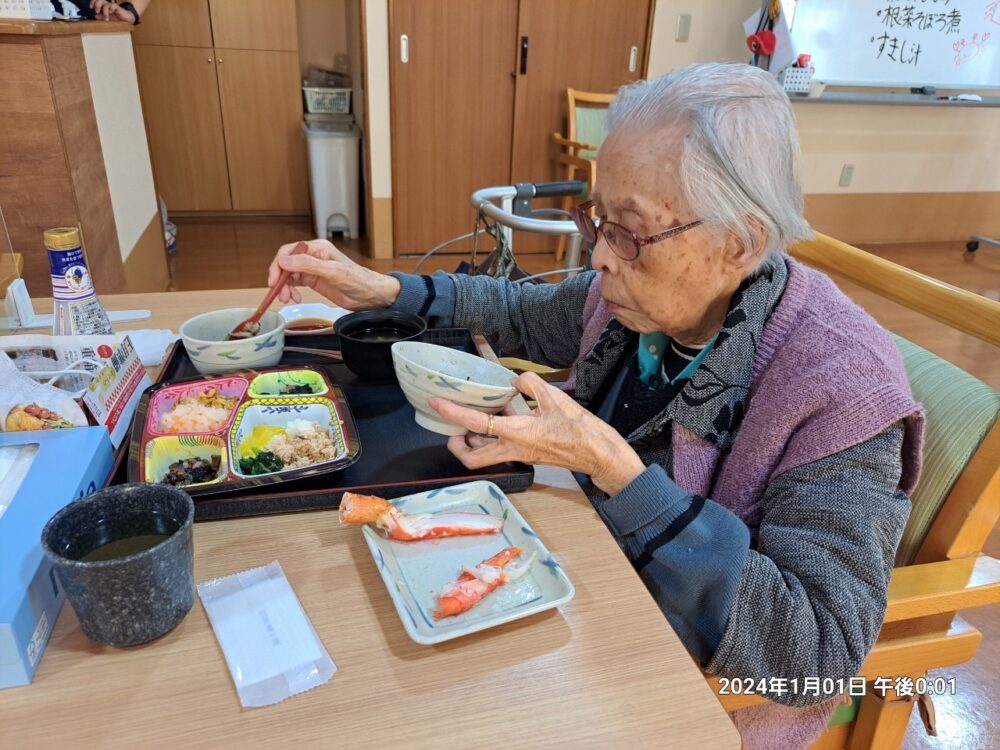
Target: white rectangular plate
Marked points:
415	573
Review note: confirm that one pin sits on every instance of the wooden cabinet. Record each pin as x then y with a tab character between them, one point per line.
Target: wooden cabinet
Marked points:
180	99
267	158
176	23
481	91
223	104
255	24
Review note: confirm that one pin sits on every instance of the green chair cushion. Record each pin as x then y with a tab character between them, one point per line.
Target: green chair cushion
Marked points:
960	411
846	712
590	127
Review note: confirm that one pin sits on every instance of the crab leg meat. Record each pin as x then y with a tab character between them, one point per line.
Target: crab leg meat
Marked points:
408	527
475	583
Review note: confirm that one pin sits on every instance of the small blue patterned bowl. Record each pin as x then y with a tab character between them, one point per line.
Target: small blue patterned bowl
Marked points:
204	337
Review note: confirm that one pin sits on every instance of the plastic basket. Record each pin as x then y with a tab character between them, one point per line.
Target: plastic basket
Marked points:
314	117
335	101
796	80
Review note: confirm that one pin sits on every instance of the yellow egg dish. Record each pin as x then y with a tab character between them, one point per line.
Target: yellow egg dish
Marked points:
258	440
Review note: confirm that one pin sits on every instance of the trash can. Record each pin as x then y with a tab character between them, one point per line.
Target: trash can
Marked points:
333	172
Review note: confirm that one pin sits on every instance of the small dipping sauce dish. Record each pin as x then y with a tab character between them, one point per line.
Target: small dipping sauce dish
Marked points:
310	318
308	325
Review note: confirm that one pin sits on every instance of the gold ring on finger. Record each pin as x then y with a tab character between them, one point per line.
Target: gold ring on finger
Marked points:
490	424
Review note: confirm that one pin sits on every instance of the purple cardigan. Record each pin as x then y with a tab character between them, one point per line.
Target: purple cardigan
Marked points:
810	397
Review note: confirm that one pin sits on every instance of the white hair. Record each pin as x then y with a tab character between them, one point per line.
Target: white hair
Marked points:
739	160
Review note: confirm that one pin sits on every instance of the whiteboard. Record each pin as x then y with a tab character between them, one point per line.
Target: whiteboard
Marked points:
943	43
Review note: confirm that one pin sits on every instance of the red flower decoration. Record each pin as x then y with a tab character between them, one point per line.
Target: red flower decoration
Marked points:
762	43
768	41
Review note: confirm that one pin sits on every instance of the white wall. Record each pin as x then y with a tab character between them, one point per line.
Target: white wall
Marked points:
115	91
899	149
377	96
713	34
893	149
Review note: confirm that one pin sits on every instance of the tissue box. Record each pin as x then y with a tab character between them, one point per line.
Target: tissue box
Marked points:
64	465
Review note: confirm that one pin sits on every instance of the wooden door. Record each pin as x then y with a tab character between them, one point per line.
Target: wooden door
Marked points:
262	119
176	23
255	24
581	44
180	101
452	109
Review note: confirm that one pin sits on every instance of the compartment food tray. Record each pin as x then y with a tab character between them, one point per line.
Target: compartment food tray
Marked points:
164	435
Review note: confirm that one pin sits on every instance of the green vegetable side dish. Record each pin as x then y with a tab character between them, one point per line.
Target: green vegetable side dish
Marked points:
264	462
288	383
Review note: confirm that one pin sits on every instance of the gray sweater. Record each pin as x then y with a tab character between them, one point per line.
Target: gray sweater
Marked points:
801	596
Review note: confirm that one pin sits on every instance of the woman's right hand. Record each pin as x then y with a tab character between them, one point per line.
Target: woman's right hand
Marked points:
110	11
331	273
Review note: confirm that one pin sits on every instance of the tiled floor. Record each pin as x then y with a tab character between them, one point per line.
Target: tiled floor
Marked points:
214	255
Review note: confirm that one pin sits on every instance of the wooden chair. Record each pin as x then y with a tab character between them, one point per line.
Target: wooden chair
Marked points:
584	133
940	569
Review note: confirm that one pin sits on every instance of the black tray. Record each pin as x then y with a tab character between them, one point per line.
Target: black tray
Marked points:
398	456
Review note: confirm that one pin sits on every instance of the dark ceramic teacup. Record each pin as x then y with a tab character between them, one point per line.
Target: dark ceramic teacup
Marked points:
124	555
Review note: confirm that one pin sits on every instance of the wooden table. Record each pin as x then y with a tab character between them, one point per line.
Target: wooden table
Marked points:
605	670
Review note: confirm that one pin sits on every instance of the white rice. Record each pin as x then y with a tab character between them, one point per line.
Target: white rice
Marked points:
194	418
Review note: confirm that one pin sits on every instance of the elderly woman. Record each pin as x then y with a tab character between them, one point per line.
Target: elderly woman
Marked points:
744	430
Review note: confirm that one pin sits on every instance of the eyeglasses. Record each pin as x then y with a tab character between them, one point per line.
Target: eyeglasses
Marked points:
623	242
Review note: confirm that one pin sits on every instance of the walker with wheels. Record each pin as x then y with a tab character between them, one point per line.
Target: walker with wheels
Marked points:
502	210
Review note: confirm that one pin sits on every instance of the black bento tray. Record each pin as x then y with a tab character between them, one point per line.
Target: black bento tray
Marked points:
398	456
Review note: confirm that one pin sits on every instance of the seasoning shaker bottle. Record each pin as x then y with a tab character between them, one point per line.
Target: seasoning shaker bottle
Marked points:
76	307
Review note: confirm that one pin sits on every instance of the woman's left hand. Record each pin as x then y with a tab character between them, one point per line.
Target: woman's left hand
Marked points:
559	432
